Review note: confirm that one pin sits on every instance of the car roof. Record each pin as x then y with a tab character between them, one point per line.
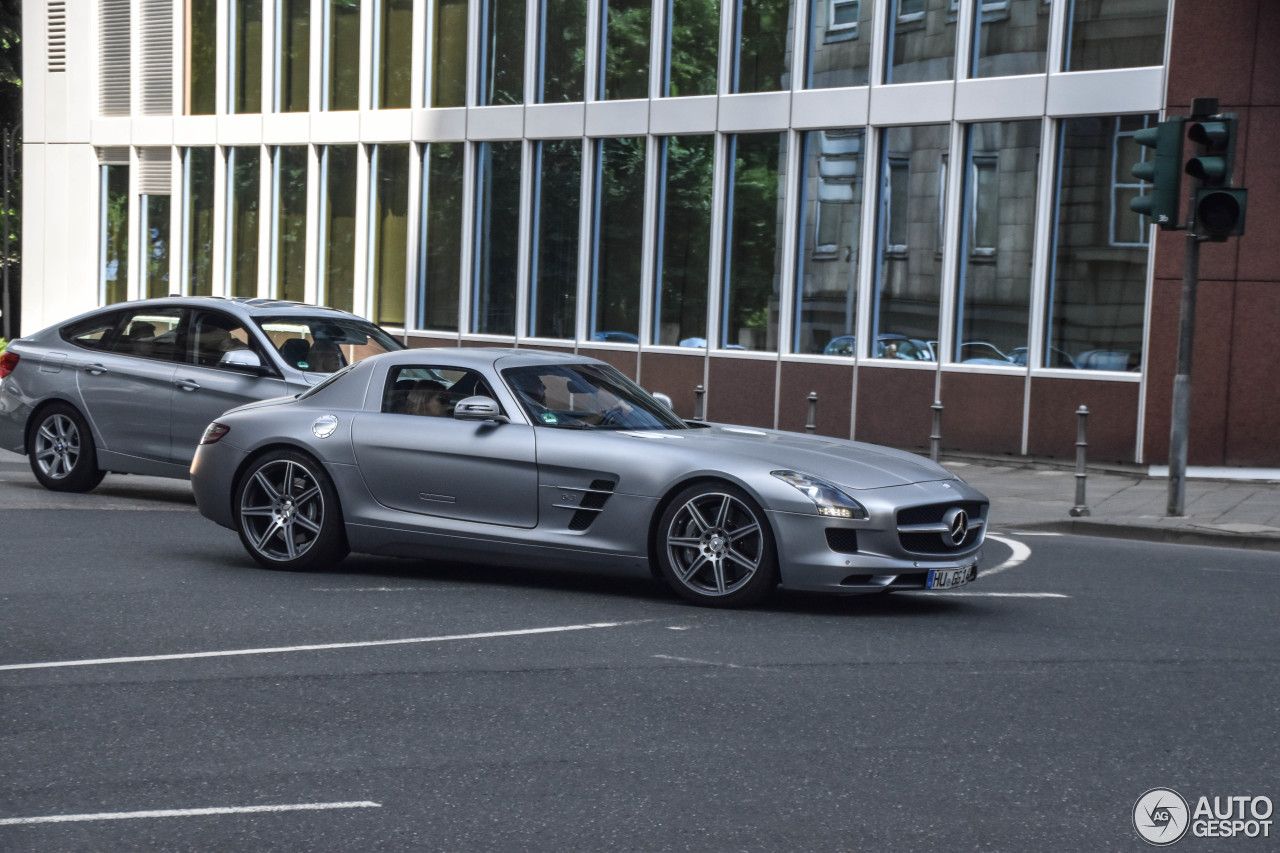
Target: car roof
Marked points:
486	356
240	305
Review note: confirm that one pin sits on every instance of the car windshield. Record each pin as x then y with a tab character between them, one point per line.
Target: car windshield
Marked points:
587	396
325	344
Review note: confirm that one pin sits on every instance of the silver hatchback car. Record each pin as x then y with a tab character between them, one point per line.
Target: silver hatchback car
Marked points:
130	388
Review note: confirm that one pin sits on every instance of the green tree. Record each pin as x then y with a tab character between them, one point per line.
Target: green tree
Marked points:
10	119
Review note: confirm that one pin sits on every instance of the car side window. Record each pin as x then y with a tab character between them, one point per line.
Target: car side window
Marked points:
148	333
430	391
212	335
93	333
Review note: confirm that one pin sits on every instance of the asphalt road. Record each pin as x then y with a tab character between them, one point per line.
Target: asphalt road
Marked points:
1028	711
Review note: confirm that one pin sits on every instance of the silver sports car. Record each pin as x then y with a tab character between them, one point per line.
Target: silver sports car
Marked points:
527	457
131	387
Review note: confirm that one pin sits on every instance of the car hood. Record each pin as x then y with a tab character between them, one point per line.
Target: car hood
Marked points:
849	464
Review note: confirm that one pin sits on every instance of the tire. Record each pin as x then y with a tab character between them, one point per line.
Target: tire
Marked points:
715	547
287	513
61	451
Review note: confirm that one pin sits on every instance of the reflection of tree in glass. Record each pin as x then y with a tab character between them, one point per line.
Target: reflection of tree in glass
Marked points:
344	54
753	241
442	248
626	69
762	55
686	237
564	50
617	305
695	47
116	254
502	50
556	251
200	221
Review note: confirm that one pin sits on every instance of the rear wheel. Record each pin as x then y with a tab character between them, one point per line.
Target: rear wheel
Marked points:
61	451
715	547
287	513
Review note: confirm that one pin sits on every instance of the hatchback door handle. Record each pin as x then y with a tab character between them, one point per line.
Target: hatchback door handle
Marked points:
188	384
95	369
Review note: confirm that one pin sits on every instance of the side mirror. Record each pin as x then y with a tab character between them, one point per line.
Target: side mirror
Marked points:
244	360
479	409
664	400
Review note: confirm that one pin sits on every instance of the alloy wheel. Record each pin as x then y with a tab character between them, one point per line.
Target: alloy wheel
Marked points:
282	510
715	544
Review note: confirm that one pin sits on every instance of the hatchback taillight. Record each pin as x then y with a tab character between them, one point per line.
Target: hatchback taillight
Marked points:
8	362
214	432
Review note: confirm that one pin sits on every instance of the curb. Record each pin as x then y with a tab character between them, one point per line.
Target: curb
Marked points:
1149	533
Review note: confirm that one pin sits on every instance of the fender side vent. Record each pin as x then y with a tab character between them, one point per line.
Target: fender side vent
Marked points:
582	519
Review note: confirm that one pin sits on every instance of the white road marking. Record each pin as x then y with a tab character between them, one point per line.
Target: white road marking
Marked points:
1003	594
697	661
677	627
297	807
1030	533
1019	556
369	589
320	647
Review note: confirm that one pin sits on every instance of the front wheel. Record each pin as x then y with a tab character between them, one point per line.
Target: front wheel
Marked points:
715	547
287	513
61	451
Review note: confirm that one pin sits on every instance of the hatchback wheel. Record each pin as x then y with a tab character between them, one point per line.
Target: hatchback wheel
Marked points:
60	449
715	547
287	513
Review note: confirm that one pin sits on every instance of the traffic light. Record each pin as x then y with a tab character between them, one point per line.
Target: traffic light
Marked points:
1163	171
1218	208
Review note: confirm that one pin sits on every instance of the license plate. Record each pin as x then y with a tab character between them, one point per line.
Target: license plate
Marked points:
949	578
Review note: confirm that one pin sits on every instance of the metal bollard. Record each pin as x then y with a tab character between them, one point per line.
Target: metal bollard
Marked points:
698	410
812	423
1082	430
935	438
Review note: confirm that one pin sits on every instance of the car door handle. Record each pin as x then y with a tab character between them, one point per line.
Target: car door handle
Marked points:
187	384
95	369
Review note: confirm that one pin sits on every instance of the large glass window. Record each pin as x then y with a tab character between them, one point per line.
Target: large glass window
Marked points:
909	241
562	51
113	238
448	53
1010	37
839	43
762	62
389	241
1097	293
289	225
553	274
922	41
293	55
395	53
497	262
1107	34
997	242
440	273
244	178
342	55
246	55
692	53
829	245
624	71
198	185
617	261
501	52
684	240
338	225
202	58
753	240
155	243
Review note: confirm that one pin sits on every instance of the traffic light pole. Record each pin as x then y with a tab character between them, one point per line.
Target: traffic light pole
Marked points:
1182	380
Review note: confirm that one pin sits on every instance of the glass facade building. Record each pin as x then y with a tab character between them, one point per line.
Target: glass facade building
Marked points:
937	186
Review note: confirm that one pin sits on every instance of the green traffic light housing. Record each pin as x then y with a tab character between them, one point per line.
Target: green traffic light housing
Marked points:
1220	213
1215	139
1163	172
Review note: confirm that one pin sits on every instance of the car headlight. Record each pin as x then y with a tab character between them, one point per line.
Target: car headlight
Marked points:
827	498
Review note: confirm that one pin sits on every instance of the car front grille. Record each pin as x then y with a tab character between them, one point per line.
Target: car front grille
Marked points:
921	529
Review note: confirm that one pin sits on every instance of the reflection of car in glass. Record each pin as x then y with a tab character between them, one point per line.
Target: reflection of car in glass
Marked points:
130	387
887	346
524	457
1107	359
1057	357
616	337
981	352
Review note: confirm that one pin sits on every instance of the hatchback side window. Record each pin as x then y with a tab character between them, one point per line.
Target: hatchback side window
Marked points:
430	391
149	333
94	333
212	335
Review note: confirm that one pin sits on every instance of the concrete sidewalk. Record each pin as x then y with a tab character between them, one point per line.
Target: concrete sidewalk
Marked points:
1126	504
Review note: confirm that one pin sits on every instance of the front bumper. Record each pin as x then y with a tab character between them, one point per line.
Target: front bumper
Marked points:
829	555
